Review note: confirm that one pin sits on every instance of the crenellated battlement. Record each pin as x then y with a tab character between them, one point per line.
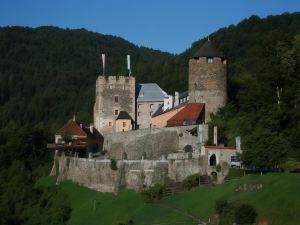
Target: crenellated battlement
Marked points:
115	80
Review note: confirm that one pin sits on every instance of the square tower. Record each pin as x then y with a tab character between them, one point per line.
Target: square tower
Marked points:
113	95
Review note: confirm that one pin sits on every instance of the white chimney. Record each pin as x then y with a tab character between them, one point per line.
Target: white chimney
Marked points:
216	135
91	128
176	99
168	102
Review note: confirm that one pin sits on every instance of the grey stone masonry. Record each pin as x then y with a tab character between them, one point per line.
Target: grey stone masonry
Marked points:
113	94
208	83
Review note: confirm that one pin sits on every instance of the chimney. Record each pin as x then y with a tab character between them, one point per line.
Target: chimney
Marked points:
176	99
91	128
216	135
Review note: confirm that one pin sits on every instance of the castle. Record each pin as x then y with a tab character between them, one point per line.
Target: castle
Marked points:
153	137
115	94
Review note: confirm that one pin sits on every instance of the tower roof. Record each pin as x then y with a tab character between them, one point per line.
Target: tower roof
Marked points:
209	50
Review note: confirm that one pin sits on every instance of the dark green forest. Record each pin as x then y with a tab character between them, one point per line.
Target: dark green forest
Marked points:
47	74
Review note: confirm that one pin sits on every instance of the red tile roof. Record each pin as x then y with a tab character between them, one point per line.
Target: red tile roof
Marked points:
190	112
72	128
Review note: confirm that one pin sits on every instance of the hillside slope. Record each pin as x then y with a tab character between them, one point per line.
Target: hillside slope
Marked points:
275	202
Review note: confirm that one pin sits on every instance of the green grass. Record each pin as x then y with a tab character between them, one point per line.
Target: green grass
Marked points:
278	202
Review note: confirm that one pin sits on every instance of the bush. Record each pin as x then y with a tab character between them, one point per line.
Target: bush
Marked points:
245	214
191	181
218	168
153	194
221	205
227	216
123	221
113	164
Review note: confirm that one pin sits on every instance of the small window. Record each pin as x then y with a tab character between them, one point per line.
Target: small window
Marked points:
109	124
224	61
116	98
139	106
139	113
123	87
151	106
116	112
124	124
209	60
151	112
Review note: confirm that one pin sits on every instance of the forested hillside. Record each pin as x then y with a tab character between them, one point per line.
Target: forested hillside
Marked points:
47	74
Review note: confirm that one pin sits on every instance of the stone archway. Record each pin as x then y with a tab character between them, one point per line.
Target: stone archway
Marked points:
213	160
214	176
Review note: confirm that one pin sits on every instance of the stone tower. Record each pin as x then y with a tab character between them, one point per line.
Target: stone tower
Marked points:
207	78
113	95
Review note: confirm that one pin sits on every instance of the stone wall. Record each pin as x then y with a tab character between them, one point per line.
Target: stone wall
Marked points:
150	143
208	84
98	175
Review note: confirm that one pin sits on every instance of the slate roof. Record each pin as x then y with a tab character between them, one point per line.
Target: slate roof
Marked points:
209	50
191	112
123	115
150	92
183	94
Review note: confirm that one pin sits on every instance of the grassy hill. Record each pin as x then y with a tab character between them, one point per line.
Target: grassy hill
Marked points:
277	202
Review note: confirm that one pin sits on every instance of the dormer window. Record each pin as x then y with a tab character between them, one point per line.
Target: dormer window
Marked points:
209	60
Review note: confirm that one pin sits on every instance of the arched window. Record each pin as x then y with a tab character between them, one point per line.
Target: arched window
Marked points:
213	160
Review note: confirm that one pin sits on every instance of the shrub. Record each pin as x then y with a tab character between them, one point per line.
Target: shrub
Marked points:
227	216
221	205
153	194
245	214
113	164
218	168
190	181
123	220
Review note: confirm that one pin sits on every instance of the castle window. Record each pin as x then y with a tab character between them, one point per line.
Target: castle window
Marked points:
124	124
139	106
109	124
139	113
209	60
116	112
123	87
116	98
151	106
151	112
224	61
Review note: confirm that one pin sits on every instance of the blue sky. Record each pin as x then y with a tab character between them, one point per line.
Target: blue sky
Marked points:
168	25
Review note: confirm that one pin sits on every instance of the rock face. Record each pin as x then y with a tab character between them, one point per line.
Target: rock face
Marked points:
208	83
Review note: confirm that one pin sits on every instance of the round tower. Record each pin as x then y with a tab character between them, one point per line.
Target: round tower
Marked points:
207	78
